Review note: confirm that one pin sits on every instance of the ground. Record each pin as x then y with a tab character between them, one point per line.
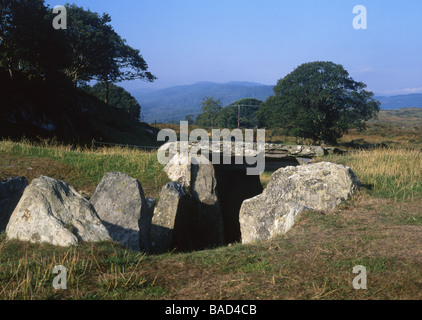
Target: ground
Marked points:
380	229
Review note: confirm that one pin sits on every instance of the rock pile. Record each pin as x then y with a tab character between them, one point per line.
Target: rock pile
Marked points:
205	206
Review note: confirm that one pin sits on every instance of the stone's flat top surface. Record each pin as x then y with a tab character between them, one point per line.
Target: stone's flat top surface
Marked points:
272	150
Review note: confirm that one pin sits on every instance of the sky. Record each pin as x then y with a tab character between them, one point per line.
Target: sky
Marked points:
186	41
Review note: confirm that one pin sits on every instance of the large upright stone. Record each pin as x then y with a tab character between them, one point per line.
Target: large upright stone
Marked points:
53	212
11	191
209	220
178	169
121	205
321	186
200	179
172	221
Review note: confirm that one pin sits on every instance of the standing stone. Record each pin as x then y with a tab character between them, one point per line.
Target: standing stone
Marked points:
53	212
320	186
209	221
172	221
145	225
11	191
178	169
121	205
200	179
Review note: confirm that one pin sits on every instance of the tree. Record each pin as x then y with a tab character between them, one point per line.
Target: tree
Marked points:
85	35
241	112
211	109
118	97
318	101
99	53
28	43
190	118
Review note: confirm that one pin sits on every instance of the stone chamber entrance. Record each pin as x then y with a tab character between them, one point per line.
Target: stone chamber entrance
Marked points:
234	186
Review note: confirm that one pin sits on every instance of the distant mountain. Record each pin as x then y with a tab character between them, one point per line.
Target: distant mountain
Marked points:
402	101
175	103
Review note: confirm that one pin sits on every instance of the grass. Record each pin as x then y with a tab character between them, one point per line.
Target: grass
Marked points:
313	261
82	168
392	128
380	229
388	173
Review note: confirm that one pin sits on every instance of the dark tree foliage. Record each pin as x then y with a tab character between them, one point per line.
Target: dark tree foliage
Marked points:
211	109
118	97
318	101
99	53
89	49
241	112
28	43
41	69
36	60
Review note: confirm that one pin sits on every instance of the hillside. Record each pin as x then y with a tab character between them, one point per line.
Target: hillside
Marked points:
37	110
406	118
400	101
175	103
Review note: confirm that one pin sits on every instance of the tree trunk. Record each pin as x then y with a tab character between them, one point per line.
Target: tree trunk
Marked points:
107	91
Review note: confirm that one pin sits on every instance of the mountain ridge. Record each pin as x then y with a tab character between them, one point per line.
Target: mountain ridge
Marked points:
174	103
413	100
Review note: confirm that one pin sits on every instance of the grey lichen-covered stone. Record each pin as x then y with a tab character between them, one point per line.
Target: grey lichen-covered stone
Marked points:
171	223
200	180
320	186
272	150
51	211
11	191
209	221
261	218
178	169
121	205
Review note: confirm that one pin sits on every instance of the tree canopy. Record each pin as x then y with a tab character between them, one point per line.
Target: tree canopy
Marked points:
28	43
241	112
318	101
99	53
211	109
118	97
88	49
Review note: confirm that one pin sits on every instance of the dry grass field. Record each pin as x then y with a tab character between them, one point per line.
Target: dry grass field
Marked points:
381	229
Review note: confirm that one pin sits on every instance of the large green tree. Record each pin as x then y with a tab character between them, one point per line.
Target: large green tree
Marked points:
99	53
319	101
211	109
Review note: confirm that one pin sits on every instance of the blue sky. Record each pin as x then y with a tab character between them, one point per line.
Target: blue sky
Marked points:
186	41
